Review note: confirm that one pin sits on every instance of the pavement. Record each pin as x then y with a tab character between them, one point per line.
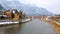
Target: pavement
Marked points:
55	24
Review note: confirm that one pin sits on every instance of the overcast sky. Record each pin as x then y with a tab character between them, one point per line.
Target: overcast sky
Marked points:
51	5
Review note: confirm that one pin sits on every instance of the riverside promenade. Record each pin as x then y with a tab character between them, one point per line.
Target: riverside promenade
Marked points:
11	22
55	24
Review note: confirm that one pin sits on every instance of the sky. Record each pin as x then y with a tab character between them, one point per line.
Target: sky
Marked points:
51	5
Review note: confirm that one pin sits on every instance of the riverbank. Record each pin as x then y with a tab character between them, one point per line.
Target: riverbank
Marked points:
7	23
54	25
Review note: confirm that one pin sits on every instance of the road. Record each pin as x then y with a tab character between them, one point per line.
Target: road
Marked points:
35	26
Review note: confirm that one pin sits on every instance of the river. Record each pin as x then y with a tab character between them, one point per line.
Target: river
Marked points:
35	26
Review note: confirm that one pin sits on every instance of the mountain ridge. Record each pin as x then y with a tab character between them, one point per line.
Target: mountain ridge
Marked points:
29	10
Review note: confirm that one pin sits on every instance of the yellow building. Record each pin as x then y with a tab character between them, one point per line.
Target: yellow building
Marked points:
9	14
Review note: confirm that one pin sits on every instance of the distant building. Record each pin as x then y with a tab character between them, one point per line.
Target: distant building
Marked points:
1	13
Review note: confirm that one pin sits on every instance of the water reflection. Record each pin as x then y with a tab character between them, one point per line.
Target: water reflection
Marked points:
12	30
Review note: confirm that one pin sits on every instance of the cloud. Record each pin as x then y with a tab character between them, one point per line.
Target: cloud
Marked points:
51	5
9	0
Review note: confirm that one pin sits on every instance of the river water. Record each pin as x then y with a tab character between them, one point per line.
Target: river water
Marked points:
35	26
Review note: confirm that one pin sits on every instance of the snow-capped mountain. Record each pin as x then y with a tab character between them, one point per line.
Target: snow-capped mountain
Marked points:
29	10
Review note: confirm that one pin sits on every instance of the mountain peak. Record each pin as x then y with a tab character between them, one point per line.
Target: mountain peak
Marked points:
28	9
